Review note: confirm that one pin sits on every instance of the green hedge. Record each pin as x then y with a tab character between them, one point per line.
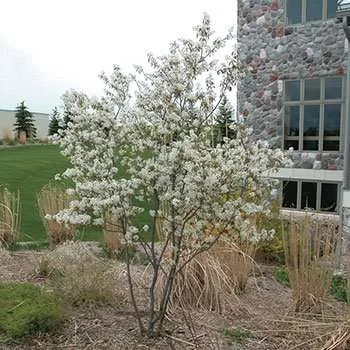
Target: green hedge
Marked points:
27	309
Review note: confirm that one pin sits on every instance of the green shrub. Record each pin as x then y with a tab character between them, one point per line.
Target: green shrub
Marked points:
29	245
339	288
281	275
272	250
236	335
27	309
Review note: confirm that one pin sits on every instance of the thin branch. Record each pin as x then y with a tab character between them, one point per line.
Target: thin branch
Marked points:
130	282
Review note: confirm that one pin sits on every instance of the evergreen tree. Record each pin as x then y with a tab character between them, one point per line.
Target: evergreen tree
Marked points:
54	124
67	118
24	121
224	118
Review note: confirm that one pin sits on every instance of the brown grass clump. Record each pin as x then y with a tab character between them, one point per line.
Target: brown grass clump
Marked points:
112	237
65	255
8	136
329	331
51	200
213	279
93	283
5	257
9	216
310	251
5	261
339	339
80	276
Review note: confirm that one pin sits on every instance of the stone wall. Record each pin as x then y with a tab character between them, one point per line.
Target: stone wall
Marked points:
270	52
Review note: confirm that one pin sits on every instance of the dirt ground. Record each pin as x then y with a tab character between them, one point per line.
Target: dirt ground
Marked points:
262	319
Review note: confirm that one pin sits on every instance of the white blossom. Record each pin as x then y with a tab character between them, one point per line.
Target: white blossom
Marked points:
157	132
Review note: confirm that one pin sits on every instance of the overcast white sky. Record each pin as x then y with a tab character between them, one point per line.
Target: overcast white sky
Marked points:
49	46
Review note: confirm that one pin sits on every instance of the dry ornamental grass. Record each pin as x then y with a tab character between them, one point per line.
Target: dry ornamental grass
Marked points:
310	250
112	236
9	217
80	276
213	279
51	200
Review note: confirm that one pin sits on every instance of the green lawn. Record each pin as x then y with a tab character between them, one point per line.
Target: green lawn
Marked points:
28	169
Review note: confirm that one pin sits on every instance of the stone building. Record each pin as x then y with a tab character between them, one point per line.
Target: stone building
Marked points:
292	93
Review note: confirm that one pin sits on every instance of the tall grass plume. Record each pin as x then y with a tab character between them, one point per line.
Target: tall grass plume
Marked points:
52	199
213	279
310	247
9	216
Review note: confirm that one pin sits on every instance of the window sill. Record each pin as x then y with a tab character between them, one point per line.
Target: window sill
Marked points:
287	213
319	21
313	152
322	175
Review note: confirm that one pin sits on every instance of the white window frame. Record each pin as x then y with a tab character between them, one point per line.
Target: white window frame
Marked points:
301	103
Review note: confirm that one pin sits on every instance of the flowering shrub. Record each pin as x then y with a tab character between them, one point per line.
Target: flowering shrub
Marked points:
156	125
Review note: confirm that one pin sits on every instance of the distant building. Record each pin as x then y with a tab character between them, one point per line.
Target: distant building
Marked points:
7	119
293	93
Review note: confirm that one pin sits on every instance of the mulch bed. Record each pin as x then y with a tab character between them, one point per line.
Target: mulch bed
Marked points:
263	319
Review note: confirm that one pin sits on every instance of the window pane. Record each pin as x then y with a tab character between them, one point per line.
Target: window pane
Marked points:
331	8
333	88
311	120
291	143
294	11
314	10
310	145
332	114
291	121
290	190
292	90
308	195
330	145
312	89
329	197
